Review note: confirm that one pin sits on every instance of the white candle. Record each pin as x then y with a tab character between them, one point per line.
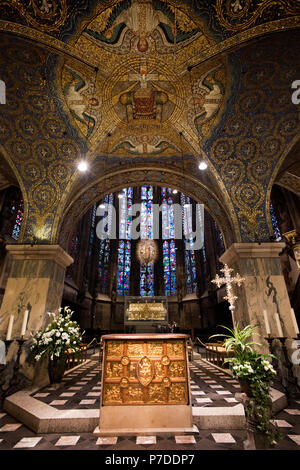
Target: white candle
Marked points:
280	332
10	325
294	321
24	325
267	322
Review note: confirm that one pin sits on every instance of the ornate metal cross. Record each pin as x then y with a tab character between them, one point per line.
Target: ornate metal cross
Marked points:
228	281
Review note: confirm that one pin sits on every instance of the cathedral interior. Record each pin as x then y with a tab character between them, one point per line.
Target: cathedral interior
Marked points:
189	106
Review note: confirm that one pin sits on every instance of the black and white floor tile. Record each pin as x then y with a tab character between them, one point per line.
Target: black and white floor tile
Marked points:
81	388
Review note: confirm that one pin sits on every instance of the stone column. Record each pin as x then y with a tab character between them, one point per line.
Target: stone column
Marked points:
264	288
35	282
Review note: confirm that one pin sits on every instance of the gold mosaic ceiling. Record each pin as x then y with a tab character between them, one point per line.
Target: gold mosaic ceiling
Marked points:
109	81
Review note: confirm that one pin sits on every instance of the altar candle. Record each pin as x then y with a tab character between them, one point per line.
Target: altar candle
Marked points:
280	332
267	322
294	321
25	318
10	325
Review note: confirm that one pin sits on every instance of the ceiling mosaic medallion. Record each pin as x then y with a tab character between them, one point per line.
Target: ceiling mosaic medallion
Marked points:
142	94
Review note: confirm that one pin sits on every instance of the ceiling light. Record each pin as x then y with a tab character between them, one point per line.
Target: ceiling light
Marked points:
102	206
82	166
175	191
203	165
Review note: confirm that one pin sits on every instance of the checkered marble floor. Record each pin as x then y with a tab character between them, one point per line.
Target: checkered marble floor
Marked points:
81	390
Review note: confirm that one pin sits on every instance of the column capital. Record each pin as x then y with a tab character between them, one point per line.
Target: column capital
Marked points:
251	250
40	252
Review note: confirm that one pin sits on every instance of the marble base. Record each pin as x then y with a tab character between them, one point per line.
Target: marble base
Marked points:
43	418
144	431
146	417
219	418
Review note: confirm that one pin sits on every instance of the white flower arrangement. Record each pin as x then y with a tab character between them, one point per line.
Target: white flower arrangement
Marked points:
57	337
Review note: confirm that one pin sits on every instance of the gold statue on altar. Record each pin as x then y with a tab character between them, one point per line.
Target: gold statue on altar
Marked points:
146	311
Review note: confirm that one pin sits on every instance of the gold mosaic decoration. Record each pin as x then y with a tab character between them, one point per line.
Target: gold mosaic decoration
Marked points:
137	372
46	15
146	311
140	94
238	15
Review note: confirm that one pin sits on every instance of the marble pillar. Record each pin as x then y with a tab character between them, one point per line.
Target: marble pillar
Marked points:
264	288
35	283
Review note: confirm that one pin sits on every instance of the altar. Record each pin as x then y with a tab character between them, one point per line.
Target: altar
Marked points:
145	385
146	315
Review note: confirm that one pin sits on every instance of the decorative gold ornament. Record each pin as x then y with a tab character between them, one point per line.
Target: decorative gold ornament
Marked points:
293	241
145	371
146	311
147	251
125	360
238	15
165	360
229	282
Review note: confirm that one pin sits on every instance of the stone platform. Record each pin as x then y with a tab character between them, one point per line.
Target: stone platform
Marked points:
74	404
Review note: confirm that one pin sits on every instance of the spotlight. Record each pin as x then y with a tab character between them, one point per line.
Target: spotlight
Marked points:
102	205
175	191
203	165
82	166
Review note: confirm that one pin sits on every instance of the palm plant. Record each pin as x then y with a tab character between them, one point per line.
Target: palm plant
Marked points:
237	341
254	372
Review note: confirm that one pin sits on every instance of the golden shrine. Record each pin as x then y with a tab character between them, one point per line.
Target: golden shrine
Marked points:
146	311
145	384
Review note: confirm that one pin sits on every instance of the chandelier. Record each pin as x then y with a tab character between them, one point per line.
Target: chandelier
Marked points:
147	251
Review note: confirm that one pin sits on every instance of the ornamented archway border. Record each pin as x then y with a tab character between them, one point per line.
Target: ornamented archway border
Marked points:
10	163
111	183
222	47
280	162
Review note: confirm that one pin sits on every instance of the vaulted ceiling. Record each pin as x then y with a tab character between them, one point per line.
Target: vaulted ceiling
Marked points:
144	90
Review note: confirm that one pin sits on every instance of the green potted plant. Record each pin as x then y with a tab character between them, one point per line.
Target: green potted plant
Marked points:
254	372
62	334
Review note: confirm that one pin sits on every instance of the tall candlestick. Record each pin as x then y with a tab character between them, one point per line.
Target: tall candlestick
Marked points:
10	325
280	332
267	322
24	325
294	321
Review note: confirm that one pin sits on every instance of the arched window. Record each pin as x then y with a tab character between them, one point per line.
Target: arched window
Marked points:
169	249
275	224
104	249
189	253
19	217
124	249
146	232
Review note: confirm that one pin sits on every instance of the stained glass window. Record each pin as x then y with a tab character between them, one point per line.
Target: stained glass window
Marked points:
19	217
124	249
275	224
104	249
169	249
146	232
73	252
189	254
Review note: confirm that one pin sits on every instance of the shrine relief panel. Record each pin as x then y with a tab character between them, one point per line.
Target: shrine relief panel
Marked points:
145	372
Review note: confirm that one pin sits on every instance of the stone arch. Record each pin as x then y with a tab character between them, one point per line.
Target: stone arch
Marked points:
112	183
283	173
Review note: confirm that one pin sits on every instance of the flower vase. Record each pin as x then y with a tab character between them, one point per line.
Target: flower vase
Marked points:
246	388
56	369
